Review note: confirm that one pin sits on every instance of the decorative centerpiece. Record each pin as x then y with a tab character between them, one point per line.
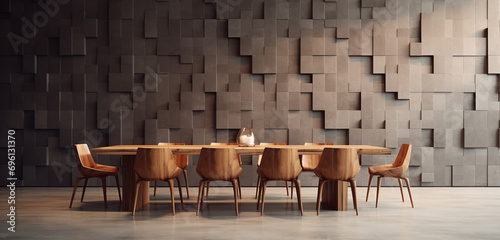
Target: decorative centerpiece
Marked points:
245	138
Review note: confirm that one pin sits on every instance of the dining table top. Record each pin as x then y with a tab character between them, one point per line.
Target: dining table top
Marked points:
255	150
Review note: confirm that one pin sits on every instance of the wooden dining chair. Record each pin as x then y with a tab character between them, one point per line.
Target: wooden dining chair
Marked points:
153	164
279	164
218	164
88	168
310	162
259	159
239	160
181	161
395	170
337	164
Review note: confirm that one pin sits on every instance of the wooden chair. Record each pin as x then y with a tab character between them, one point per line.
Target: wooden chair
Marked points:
152	164
395	170
310	162
218	164
258	164
279	164
239	160
337	164
88	168
182	162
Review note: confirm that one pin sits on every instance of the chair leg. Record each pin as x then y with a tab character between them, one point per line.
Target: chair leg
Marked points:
239	186
74	190
264	185
84	187
187	184
103	179
203	193
286	184
401	189
156	183
235	183
200	194
320	193
180	191
259	198
354	198
171	186
138	184
379	180
409	191
299	196
258	187
368	188
208	187
291	189
118	186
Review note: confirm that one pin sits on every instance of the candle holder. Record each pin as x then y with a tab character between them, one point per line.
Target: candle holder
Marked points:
245	138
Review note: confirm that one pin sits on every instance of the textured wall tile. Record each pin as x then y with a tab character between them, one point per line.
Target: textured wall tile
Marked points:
194	68
493	175
120	82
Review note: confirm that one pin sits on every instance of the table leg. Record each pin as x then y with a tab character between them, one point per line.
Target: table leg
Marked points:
129	179
335	196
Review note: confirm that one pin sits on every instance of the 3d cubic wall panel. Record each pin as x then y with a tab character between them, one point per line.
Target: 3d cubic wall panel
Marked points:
378	72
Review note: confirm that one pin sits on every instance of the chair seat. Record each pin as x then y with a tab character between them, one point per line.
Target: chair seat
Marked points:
109	169
379	170
386	171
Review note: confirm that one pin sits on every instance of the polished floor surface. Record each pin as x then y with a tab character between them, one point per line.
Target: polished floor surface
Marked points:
439	213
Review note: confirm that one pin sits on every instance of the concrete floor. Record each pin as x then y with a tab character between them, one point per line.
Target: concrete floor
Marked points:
439	213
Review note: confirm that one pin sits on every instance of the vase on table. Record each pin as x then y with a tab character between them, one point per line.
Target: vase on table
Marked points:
245	137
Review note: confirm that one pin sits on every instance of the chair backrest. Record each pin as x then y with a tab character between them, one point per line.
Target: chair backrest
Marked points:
218	163
155	164
266	144
403	158
85	159
180	160
280	163
310	162
338	164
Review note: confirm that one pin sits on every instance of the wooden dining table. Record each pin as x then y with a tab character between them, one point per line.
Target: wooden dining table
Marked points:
335	193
